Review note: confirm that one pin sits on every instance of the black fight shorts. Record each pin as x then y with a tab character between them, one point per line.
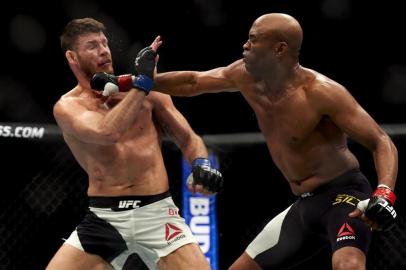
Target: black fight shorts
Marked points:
315	221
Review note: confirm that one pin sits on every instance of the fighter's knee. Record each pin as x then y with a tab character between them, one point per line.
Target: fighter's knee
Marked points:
348	263
349	258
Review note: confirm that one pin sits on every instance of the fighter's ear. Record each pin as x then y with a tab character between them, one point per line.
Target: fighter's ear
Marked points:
70	56
281	47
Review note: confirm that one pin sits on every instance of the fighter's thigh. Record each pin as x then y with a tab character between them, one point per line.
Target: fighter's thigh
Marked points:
71	258
245	262
345	231
187	257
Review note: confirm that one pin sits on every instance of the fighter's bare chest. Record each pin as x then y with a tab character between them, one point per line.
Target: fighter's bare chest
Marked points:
143	120
290	119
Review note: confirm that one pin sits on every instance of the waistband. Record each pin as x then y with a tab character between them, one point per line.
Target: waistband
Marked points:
351	177
122	203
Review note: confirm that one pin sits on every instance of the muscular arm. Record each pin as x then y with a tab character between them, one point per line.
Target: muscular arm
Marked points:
336	102
190	83
177	127
203	178
91	125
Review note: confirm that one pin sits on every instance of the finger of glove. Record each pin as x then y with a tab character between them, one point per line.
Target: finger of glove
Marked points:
196	187
110	89
356	213
190	184
147	53
100	79
202	182
202	190
140	55
146	64
379	218
191	188
150	56
216	182
200	176
142	51
362	205
381	224
209	178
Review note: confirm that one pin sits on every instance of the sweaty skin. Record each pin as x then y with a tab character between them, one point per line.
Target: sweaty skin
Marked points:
125	167
117	140
303	115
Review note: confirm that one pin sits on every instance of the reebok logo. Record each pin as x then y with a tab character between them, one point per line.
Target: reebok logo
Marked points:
172	233
128	204
345	233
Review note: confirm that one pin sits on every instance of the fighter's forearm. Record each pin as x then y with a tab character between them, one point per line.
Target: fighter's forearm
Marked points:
123	115
194	148
386	162
177	83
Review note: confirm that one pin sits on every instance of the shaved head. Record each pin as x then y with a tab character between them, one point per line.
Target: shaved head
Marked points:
281	27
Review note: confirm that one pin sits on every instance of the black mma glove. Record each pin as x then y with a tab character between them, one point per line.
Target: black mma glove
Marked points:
144	68
206	176
109	84
379	208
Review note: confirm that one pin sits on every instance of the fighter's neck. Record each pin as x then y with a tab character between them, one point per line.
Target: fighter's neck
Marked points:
83	82
282	79
86	92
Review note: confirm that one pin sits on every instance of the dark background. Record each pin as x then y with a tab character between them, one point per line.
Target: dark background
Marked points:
358	43
43	197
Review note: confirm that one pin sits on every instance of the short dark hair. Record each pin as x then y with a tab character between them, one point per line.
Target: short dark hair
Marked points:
77	27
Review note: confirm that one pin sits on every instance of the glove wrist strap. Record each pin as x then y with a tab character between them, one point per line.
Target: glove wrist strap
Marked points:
143	83
384	186
201	162
386	193
125	82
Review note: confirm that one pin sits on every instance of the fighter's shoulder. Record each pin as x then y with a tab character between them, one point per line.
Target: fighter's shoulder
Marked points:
325	93
320	84
72	95
237	72
68	101
236	67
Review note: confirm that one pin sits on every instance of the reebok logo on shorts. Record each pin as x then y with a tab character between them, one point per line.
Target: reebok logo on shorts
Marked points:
172	233
345	233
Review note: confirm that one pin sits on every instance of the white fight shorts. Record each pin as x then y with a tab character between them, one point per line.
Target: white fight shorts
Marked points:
119	228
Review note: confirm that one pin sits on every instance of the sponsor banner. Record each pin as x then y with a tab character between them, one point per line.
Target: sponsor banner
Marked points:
30	131
199	212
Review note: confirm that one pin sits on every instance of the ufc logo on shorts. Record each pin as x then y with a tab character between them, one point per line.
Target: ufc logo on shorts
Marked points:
129	204
388	207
